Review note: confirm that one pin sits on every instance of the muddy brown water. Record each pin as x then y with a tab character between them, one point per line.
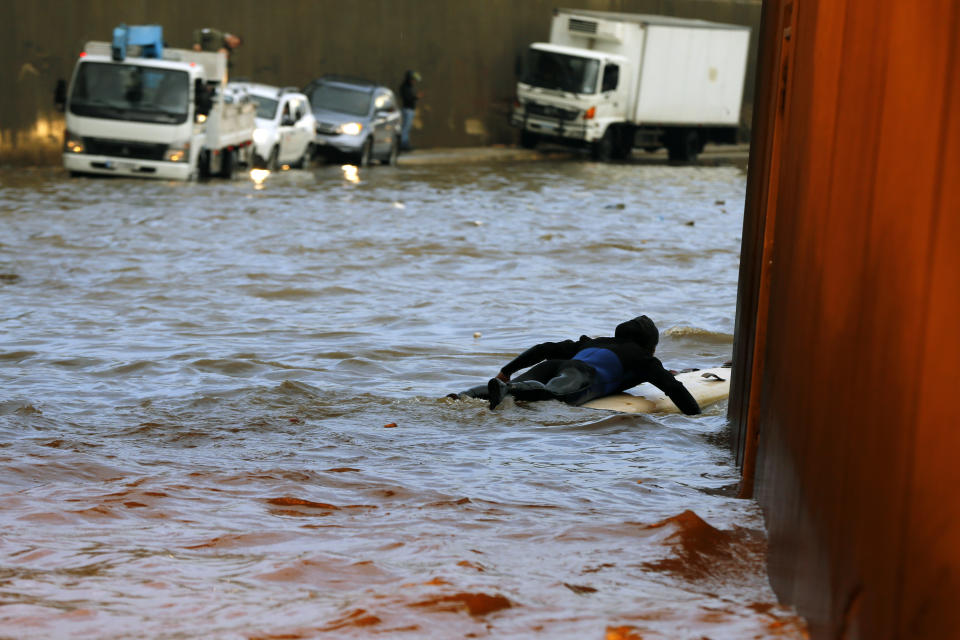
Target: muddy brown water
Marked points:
222	408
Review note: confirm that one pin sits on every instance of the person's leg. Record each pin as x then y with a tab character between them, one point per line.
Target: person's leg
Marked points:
405	127
563	380
479	391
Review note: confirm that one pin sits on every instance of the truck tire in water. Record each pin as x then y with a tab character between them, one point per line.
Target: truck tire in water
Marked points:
228	165
684	145
622	142
203	169
528	139
603	149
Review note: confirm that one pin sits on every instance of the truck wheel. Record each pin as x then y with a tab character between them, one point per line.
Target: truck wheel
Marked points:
203	164
602	149
622	143
684	146
228	165
528	139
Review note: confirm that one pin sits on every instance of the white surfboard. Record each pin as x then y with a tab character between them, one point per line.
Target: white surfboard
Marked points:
705	385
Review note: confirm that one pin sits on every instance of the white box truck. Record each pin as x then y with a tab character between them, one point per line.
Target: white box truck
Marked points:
611	81
137	108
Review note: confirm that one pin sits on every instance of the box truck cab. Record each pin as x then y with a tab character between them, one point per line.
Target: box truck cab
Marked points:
611	81
570	93
135	108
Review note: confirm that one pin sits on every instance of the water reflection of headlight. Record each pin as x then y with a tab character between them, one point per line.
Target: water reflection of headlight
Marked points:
258	176
351	173
350	128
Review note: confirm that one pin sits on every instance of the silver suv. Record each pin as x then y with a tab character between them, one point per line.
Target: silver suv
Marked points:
356	118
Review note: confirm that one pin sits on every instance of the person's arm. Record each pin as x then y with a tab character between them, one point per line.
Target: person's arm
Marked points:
538	353
664	380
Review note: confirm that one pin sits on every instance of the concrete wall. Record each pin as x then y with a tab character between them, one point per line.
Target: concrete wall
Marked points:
465	50
847	343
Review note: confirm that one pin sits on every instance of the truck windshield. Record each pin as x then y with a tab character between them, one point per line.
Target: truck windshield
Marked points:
331	97
559	71
266	107
130	92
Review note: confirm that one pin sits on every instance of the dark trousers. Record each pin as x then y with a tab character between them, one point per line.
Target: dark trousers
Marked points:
570	381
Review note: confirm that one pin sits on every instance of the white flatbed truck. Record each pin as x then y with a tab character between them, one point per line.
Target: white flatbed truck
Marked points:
611	81
136	108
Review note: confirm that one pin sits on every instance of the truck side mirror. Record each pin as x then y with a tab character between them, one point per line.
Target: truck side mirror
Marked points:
201	97
60	95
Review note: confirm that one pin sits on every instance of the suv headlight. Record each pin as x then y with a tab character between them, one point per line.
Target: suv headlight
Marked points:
261	136
350	128
73	143
178	152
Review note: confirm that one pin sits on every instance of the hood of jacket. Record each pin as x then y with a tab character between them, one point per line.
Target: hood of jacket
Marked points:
641	331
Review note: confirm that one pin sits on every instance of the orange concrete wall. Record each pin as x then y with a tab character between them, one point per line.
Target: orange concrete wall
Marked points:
849	315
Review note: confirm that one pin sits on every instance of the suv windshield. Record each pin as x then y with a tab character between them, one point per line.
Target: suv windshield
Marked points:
356	102
266	107
550	70
130	92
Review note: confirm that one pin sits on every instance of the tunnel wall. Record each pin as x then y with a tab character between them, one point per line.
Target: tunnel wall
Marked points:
466	51
847	316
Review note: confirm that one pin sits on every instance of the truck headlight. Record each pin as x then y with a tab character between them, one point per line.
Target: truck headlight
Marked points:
72	143
260	136
177	153
350	128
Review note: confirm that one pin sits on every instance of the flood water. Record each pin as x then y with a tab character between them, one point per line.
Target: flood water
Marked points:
222	408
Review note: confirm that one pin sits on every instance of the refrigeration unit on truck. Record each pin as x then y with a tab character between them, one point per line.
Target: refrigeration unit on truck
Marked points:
611	81
138	108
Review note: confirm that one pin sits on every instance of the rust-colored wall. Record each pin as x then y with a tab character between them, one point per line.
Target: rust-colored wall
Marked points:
849	307
465	49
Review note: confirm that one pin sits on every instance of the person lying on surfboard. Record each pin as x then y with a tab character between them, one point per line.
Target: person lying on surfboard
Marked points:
578	371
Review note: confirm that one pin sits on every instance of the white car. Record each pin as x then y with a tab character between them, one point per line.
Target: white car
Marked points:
285	126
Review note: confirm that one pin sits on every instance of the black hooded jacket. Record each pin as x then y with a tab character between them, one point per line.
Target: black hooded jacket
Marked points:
634	343
408	95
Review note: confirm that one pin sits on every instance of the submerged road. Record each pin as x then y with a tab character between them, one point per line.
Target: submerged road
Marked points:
223	412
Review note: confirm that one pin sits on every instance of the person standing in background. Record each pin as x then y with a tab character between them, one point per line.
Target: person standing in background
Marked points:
215	40
408	103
